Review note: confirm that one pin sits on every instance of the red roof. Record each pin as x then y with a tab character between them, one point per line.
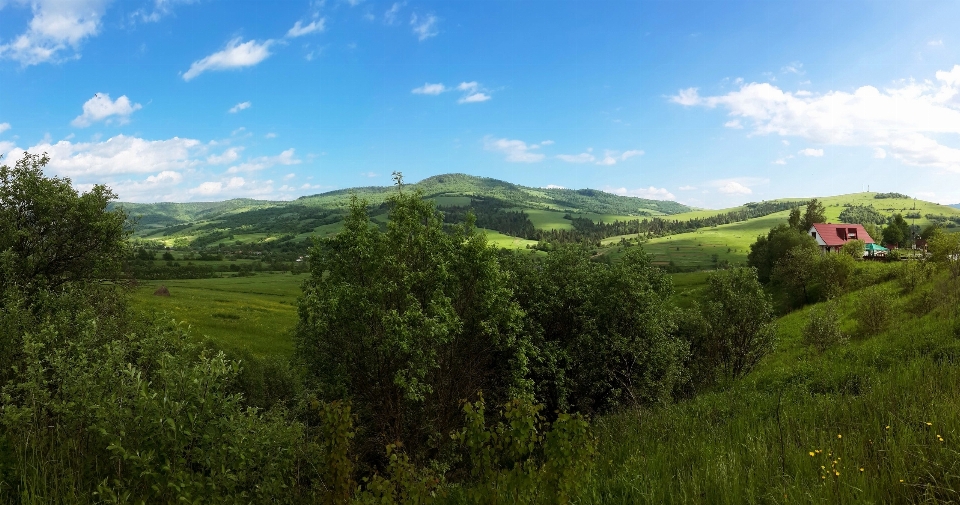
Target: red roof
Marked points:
838	234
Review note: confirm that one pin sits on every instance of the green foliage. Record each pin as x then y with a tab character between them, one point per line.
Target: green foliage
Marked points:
897	232
50	234
854	249
881	196
815	213
862	214
739	318
873	310
822	330
945	249
521	458
407	322
797	271
795	220
604	333
767	251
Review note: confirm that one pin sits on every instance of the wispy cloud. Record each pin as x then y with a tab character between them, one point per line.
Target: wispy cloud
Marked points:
263	162
793	68
158	11
100	108
577	158
4	127
516	151
424	27
816	153
299	29
430	89
236	54
239	107
390	15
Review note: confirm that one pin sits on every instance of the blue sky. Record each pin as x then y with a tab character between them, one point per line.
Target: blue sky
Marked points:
709	103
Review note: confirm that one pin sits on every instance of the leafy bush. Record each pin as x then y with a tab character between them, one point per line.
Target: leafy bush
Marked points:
823	327
873	310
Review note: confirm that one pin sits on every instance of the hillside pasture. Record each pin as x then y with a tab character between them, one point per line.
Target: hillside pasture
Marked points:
256	313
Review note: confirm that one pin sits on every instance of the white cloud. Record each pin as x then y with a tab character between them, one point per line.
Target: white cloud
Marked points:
270	135
390	16
160	9
299	29
687	97
879	153
612	157
424	26
630	154
369	174
468	86
56	26
239	107
935	43
816	153
793	68
906	121
234	55
263	162
651	193
229	156
165	177
4	127
734	188
118	155
474	98
553	186
289	176
687	188
100	107
430	89
733	123
516	151
577	158
544	143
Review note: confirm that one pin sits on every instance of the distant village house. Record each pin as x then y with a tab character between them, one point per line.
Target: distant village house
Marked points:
831	237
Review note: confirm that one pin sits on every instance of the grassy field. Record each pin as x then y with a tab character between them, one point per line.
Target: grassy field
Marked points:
256	313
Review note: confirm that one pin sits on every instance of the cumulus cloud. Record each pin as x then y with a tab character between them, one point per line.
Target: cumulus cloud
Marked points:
4	127
816	153
733	123
56	26
117	155
430	89
651	193
262	162
239	107
424	27
229	156
734	188
299	29
474	98
234	55
100	107
612	157
687	188
516	151
879	153
907	121
553	186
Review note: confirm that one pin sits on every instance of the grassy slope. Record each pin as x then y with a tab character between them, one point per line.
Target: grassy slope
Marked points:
876	403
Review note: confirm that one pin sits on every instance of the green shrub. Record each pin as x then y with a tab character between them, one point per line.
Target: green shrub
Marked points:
873	310
823	327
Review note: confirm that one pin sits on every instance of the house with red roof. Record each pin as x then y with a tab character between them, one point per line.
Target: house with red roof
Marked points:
831	237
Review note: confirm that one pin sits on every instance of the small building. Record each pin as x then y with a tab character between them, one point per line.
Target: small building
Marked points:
831	237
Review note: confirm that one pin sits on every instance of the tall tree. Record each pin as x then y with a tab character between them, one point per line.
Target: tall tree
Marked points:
897	232
795	220
407	322
767	251
815	213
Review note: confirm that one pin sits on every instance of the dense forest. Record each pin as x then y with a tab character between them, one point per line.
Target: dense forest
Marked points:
429	367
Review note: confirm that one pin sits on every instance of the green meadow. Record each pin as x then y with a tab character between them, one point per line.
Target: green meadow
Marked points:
256	313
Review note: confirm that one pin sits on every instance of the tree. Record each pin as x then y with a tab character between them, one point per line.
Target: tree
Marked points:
854	249
815	213
945	249
897	232
408	322
797	271
767	251
740	319
604	333
50	234
795	220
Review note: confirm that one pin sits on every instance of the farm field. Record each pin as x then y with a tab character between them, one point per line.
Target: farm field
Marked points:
256	313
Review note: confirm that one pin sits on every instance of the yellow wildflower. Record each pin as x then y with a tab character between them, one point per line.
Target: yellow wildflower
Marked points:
811	454
839	435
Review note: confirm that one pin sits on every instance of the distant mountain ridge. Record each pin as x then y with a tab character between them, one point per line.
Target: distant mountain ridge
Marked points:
524	197
955	206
